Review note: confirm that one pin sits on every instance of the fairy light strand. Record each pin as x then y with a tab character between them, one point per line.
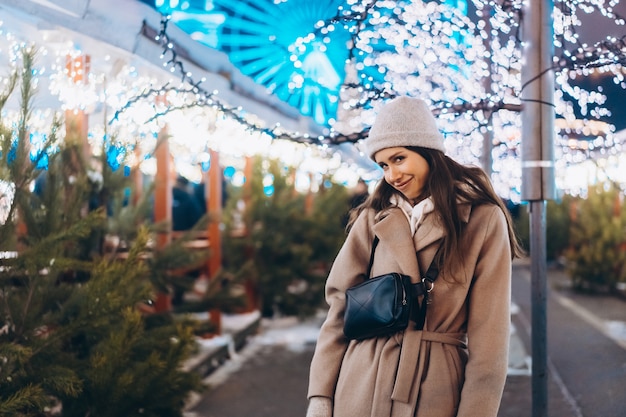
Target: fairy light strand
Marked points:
610	52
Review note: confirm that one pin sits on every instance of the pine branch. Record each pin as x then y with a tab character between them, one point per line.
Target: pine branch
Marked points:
25	401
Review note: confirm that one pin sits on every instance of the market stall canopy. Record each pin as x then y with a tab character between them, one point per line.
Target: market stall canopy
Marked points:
113	32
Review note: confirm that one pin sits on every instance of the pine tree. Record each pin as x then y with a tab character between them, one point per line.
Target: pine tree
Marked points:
73	340
597	255
284	247
558	227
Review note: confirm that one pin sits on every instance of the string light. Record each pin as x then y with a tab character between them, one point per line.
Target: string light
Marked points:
445	25
467	67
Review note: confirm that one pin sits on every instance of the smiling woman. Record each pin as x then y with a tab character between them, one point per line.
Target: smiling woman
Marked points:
427	209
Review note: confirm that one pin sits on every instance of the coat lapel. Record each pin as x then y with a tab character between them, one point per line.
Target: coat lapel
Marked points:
393	230
431	231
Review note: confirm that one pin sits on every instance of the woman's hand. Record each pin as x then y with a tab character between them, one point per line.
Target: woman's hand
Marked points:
320	407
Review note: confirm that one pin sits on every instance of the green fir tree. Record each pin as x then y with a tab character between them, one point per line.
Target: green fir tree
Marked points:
597	253
74	340
285	252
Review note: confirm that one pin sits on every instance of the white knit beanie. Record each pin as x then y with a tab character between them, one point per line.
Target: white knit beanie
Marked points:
404	121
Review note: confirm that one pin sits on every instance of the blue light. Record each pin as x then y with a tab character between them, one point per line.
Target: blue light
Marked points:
41	159
272	42
285	45
229	171
115	154
268	190
12	152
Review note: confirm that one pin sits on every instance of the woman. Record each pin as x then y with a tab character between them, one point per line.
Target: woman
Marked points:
456	365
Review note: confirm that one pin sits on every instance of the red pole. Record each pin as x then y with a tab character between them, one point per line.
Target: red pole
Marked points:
214	206
163	205
252	298
76	120
137	177
310	196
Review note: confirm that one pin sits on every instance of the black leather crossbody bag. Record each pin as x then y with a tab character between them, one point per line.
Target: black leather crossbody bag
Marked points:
383	305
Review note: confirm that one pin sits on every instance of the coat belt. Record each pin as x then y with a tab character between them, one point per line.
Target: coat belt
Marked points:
411	366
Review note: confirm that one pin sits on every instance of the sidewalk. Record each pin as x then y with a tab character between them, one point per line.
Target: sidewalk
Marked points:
605	313
517	397
213	352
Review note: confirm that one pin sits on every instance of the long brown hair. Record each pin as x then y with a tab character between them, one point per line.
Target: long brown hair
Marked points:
447	181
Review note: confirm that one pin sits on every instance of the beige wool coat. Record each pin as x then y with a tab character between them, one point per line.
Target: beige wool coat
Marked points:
457	365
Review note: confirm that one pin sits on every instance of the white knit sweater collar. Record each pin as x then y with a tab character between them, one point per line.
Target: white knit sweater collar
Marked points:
414	214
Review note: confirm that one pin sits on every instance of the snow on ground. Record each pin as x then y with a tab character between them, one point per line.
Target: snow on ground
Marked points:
288	332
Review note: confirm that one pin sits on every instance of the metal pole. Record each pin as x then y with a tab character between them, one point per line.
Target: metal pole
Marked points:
538	174
487	159
539	309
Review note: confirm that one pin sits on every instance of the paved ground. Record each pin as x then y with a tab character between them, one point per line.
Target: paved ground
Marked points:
268	377
586	346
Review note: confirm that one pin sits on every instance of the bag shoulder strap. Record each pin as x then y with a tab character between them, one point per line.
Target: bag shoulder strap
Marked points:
433	270
369	266
430	275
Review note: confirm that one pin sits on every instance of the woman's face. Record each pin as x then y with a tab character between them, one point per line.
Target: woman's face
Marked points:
404	170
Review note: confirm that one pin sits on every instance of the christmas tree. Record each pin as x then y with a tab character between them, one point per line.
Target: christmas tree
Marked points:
74	338
597	253
287	244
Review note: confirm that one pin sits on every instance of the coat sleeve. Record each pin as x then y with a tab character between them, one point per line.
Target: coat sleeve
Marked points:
348	269
488	325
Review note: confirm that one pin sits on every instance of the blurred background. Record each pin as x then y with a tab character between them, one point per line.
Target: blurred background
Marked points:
175	178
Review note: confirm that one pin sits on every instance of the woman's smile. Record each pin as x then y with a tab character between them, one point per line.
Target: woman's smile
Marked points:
400	185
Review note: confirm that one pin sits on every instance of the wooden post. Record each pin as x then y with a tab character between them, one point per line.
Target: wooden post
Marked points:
21	231
617	205
21	228
76	120
77	124
163	204
137	177
214	207
310	195
251	291
247	173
